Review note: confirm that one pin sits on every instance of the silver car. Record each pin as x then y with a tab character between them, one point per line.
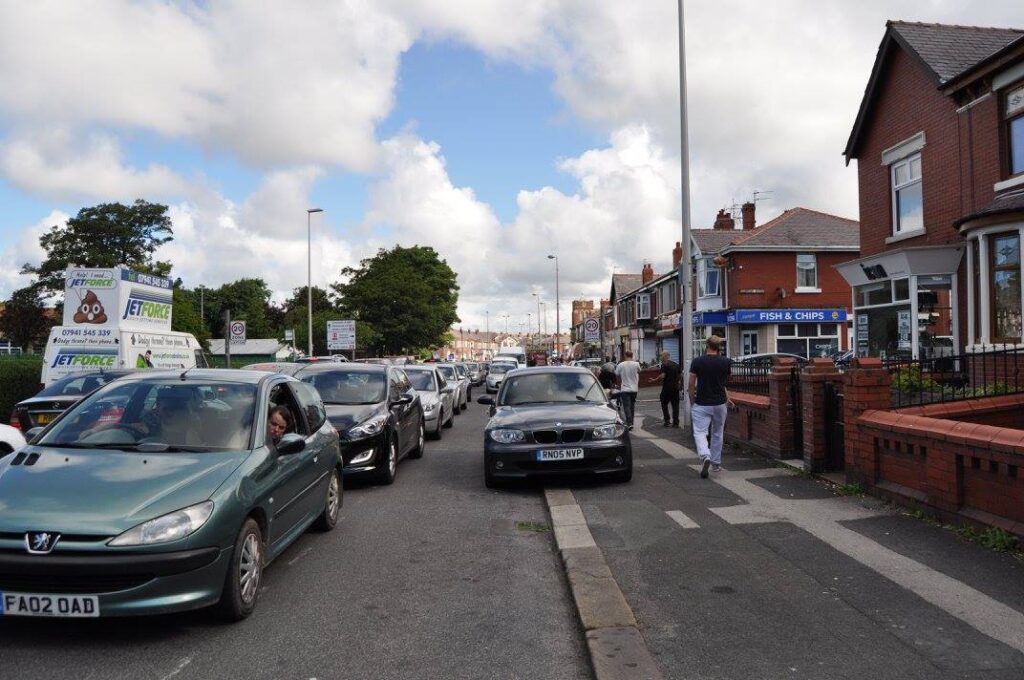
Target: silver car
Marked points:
452	376
436	395
497	374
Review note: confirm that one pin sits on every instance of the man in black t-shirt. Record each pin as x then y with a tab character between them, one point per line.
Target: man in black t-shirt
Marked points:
708	376
669	378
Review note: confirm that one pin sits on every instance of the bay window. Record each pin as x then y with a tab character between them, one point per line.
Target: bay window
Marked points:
1004	282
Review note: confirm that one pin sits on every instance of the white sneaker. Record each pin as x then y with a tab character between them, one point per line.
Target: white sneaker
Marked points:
716	468
704	468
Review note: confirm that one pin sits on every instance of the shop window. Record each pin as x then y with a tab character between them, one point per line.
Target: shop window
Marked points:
901	289
907	200
812	340
879	293
1005	286
1015	129
806	271
787	329
976	291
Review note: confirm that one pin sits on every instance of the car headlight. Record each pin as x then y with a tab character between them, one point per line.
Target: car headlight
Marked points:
170	527
429	408
609	431
507	436
369	427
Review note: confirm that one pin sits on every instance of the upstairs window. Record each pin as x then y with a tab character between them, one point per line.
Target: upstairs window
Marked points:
806	271
1015	129
643	306
907	201
707	279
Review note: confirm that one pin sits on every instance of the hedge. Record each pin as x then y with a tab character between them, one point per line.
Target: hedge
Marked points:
19	379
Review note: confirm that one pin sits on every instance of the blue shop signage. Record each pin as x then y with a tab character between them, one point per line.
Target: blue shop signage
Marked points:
709	318
786	315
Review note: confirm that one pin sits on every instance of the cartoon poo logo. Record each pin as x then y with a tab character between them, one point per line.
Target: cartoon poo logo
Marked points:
90	310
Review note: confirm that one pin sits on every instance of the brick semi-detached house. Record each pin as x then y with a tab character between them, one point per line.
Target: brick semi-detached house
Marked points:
939	145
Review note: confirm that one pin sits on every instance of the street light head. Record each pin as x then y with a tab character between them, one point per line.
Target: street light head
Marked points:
313	210
552	257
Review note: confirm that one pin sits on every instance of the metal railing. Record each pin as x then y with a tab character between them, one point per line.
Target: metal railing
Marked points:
749	378
939	379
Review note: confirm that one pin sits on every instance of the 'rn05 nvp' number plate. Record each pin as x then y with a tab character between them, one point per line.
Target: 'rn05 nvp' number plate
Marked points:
559	454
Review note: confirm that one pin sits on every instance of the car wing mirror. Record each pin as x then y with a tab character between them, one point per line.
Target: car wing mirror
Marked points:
485	399
290	443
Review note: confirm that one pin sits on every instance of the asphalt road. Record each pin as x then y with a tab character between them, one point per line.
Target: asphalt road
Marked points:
427	578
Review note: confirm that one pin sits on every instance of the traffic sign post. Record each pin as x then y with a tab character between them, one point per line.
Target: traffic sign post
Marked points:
341	335
591	330
237	332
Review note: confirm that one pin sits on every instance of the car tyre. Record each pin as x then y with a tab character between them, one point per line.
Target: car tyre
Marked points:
388	468
332	504
421	442
451	419
436	434
245	572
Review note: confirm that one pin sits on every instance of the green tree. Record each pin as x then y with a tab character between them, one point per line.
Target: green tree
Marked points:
25	321
247	299
185	315
407	295
105	235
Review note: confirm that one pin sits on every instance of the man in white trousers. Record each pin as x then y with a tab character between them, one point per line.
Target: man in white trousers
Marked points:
710	399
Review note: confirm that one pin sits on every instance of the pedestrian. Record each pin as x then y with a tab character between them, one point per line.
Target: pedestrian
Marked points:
670	383
607	375
710	399
627	375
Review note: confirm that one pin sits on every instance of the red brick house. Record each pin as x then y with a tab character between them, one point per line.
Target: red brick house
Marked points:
939	144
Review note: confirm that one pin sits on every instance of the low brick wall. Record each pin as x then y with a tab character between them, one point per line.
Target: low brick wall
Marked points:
765	423
933	456
999	411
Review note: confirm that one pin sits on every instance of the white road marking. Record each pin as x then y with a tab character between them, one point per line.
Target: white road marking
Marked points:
677	451
682	520
181	666
299	556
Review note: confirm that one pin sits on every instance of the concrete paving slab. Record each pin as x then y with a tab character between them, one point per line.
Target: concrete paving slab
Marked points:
557	497
791	486
574	536
567	515
599	601
586	561
621	654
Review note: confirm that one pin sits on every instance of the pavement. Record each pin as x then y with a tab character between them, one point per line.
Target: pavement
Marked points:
758	572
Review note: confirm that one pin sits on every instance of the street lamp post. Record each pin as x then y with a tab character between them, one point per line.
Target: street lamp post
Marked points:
309	276
506	323
558	321
537	295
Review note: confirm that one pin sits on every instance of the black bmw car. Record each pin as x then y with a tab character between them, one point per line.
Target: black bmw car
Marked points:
58	396
376	411
554	421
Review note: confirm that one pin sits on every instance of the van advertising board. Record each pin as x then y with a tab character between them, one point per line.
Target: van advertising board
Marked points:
155	350
116	298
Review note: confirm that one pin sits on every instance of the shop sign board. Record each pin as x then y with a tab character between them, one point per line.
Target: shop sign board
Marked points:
785	315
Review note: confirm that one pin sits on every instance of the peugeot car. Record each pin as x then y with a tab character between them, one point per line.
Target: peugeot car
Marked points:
551	421
172	504
438	396
377	413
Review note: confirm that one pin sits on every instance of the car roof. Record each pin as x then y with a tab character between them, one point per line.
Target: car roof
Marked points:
551	369
347	367
235	375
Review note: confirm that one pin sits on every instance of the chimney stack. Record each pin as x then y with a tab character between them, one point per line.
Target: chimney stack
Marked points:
748	216
677	255
647	275
724	221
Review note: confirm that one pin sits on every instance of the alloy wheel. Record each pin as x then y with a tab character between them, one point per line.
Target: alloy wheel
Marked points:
249	568
333	496
393	459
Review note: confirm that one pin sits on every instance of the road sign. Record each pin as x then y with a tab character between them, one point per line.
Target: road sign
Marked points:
237	332
591	330
289	335
341	334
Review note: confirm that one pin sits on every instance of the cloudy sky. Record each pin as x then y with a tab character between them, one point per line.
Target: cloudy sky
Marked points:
496	132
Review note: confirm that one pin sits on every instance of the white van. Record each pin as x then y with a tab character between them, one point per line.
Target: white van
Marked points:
77	350
517	353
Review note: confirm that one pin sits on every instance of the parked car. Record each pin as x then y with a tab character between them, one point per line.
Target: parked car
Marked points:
329	358
552	421
768	358
284	367
55	398
592	364
843	359
171	506
476	373
451	375
437	395
377	413
497	374
11	440
463	371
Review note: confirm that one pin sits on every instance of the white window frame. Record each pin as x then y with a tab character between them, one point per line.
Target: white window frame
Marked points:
707	264
807	289
894	190
643	306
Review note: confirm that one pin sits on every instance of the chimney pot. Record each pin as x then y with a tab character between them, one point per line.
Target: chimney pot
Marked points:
647	274
724	221
677	255
748	216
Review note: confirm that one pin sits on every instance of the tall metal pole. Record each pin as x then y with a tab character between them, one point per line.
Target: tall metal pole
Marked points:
227	338
537	295
309	277
558	320
685	277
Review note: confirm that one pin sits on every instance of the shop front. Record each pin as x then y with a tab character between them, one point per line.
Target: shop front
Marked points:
668	336
807	333
706	324
905	303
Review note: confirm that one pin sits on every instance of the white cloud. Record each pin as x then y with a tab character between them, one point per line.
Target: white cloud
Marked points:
25	249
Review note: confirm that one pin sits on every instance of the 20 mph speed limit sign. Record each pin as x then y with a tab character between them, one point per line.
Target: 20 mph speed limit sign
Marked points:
237	332
591	330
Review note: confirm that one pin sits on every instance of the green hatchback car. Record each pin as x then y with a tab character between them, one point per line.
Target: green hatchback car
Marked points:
164	491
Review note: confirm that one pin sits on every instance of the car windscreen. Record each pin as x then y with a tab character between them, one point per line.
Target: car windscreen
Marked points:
537	388
498	369
473	367
348	387
159	416
76	385
461	370
448	372
421	380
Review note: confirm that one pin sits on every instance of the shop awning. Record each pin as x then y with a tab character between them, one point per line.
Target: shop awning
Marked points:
897	264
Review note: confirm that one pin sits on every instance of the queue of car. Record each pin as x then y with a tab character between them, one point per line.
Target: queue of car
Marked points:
155	491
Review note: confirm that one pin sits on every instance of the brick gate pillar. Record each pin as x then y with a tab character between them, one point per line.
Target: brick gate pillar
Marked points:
812	390
780	411
865	386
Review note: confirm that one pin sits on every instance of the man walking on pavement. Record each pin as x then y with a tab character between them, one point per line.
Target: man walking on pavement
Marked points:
669	378
706	388
627	375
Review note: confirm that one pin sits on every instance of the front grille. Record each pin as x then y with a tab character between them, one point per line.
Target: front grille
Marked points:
571	436
554	436
545	436
65	539
72	584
